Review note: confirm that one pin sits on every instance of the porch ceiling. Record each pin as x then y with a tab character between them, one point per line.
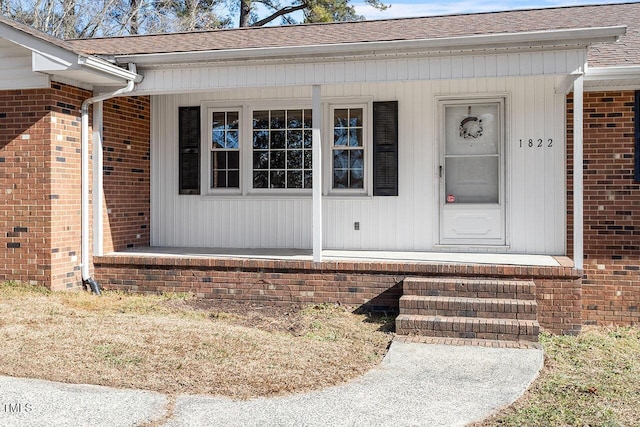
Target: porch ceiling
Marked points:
341	255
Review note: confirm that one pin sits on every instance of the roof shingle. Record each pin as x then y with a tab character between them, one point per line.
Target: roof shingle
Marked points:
625	52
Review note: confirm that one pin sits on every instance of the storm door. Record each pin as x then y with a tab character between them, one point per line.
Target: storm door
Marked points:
472	205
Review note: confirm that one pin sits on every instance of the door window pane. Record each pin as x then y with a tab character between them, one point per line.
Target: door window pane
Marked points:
472	179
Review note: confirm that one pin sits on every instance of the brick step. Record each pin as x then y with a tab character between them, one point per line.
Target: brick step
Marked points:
469	288
469	307
468	327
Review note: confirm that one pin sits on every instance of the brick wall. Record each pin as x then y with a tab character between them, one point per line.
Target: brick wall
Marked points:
25	188
40	181
65	179
126	173
611	285
370	285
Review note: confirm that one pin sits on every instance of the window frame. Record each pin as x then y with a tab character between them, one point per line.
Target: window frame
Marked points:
286	105
367	146
207	149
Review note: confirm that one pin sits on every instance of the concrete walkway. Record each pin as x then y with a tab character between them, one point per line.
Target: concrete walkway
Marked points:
415	385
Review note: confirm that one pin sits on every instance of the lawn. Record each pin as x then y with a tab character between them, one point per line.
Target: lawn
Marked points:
588	380
177	344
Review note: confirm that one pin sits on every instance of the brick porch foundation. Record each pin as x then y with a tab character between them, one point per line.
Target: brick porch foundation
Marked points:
371	285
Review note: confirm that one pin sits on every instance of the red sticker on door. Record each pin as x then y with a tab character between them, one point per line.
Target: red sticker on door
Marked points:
451	198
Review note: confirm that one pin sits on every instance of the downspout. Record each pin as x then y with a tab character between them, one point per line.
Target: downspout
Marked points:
87	280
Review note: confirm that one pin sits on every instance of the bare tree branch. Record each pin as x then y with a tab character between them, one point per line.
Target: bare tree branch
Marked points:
284	11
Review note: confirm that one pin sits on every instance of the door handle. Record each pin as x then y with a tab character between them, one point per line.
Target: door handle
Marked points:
440	171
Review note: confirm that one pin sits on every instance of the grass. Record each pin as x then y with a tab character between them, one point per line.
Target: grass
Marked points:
175	344
592	379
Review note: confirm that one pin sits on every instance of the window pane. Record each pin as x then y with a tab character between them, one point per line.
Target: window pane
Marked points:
232	139
308	139
220	179
357	178
218	122
355	117
219	160
308	179
233	179
261	120
233	160
341	118
356	159
340	159
277	179
472	179
294	139
233	120
277	159
294	179
261	180
277	139
294	159
308	119
218	139
294	119
340	136
261	139
260	159
340	178
277	119
308	159
355	138
473	129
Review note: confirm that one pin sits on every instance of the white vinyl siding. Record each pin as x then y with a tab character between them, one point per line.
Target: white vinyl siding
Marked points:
535	177
188	79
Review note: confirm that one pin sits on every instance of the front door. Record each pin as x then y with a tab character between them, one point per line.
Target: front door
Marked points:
472	205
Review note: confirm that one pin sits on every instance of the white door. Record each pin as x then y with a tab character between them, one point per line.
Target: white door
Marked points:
472	205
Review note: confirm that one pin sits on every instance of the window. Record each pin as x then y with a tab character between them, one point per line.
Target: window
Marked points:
225	149
282	147
348	149
239	150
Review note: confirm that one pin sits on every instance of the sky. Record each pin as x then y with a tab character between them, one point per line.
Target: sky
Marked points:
408	8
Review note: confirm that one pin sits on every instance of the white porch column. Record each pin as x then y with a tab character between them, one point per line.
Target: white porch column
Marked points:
98	247
578	226
317	173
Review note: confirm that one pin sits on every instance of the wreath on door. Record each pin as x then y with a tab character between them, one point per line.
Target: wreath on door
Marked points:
470	126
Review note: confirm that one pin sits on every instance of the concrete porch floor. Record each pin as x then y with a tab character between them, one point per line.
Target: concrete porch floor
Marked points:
346	255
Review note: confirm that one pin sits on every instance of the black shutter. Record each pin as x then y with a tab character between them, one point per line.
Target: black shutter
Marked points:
385	148
637	135
189	149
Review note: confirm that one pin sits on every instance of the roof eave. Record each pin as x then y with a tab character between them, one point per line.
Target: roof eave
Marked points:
57	60
539	39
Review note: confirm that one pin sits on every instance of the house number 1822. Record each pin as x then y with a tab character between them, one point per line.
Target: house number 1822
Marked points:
536	143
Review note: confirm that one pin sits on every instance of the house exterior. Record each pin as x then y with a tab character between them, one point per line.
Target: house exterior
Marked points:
452	135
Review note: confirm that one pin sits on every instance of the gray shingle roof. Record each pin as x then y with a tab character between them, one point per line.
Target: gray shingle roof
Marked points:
625	52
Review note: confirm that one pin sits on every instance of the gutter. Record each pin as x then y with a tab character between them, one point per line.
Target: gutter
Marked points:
570	37
84	142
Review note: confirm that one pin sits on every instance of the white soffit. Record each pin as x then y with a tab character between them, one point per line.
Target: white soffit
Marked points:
612	78
50	59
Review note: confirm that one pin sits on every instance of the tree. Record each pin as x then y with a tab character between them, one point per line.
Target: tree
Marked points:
94	18
312	10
